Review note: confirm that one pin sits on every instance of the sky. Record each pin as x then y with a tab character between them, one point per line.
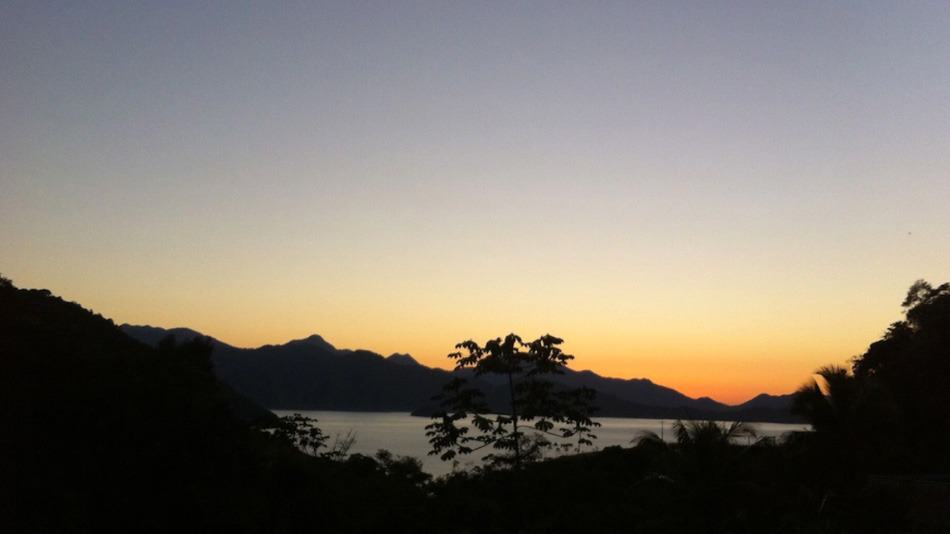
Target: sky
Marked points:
718	196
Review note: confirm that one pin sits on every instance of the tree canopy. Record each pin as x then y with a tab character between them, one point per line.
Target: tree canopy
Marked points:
555	416
891	409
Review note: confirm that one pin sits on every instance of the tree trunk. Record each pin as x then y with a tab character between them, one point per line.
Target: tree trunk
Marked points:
514	421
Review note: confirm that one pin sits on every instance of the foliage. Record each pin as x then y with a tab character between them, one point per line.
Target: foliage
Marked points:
829	400
898	383
301	432
710	433
532	403
661	488
405	468
340	448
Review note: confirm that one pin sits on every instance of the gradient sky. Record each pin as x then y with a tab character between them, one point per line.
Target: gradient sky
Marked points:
718	196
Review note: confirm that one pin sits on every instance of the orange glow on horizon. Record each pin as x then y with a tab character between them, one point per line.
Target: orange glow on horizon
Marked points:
730	346
715	357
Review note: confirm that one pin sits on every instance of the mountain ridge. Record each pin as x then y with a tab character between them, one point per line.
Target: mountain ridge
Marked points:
308	373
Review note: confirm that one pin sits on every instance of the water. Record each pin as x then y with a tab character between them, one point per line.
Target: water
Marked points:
404	435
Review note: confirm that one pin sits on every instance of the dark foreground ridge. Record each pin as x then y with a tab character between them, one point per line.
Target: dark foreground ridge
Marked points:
311	374
103	433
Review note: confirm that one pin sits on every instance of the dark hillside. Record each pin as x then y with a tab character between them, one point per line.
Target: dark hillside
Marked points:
104	434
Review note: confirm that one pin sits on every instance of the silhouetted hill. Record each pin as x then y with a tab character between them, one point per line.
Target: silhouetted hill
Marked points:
638	390
103	429
402	359
102	433
313	341
314	377
152	335
312	374
764	401
612	406
640	397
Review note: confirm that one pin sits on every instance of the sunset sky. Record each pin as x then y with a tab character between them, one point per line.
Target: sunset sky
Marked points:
718	196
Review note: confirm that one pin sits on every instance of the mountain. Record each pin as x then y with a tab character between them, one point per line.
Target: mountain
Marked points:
402	359
642	396
764	401
152	335
314	341
639	391
312	374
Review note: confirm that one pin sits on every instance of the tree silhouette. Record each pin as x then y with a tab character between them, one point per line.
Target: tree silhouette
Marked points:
698	434
703	445
552	415
899	383
828	400
301	432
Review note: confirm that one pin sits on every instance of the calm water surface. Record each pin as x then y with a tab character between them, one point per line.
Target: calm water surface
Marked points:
404	435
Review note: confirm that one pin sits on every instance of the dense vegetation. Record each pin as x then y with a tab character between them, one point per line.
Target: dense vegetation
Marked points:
891	411
103	433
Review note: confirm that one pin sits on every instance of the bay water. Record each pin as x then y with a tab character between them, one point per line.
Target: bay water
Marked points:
404	435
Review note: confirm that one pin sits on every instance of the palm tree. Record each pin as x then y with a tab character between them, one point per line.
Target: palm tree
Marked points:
828	402
701	468
699	434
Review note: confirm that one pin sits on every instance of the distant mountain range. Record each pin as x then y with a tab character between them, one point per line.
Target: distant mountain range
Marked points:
312	374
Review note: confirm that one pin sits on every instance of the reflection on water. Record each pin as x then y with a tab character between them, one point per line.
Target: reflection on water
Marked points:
404	435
